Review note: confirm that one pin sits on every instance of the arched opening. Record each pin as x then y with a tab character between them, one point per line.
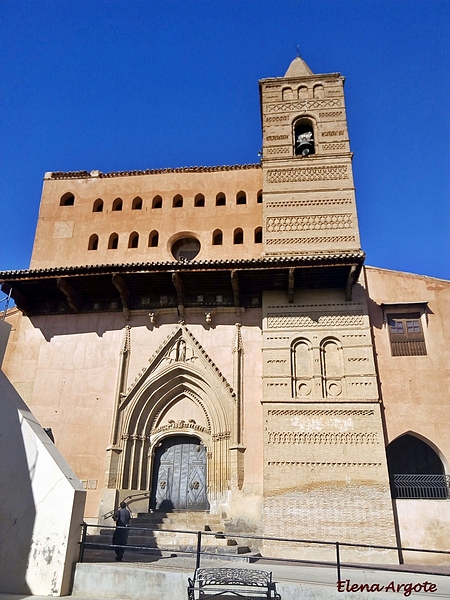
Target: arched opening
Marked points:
113	241
217	238
258	235
221	199
117	204
304	144
259	197
302	92
133	240
241	198
98	205
153	239
93	242
136	204
238	236
199	200
186	248
177	201
68	199
157	202
179	475
415	469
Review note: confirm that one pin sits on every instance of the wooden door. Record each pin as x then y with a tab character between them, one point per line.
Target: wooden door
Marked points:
179	475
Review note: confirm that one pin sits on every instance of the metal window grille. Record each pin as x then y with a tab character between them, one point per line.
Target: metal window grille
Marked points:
421	486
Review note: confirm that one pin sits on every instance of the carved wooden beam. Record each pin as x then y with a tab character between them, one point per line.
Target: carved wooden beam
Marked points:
236	288
291	285
179	287
72	296
124	293
350	283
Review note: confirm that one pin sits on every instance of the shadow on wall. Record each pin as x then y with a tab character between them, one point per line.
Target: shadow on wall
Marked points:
16	499
57	325
101	323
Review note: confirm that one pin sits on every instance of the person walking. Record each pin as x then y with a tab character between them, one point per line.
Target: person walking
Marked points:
122	518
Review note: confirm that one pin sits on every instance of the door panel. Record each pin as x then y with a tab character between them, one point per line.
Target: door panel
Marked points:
179	481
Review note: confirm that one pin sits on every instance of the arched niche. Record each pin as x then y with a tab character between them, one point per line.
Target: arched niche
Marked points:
287	93
332	367
301	367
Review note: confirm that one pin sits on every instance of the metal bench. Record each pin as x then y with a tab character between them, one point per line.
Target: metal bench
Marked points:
225	583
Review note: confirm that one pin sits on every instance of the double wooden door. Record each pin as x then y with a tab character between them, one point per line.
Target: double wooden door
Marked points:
179	475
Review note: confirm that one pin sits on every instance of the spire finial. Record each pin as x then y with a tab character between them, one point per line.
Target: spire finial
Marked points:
298	50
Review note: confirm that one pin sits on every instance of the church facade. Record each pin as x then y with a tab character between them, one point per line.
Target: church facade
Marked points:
209	339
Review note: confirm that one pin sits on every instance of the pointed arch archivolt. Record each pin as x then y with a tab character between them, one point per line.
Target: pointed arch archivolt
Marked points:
178	399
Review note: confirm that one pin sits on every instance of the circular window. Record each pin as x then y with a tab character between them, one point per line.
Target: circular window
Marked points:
186	249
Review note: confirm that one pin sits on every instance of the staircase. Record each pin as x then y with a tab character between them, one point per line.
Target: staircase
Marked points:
158	530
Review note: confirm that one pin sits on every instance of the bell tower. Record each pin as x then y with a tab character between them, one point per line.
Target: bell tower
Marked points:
325	470
309	198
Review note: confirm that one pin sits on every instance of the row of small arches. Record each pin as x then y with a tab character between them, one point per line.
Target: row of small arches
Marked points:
153	239
301	92
68	199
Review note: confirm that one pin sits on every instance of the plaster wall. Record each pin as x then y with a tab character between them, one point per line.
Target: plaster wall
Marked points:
415	389
425	524
41	502
415	392
67	369
63	232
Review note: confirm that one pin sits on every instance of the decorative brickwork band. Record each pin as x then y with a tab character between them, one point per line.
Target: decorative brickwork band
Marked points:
351	319
331	114
303	105
296	437
309	222
278	119
298	174
315	202
297	412
334	146
314	240
297	463
279	150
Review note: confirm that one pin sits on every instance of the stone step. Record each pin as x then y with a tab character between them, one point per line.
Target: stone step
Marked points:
174	518
163	539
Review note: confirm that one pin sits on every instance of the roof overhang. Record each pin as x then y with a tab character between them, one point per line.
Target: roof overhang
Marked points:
137	286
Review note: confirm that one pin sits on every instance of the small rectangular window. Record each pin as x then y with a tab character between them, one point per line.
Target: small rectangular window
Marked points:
406	334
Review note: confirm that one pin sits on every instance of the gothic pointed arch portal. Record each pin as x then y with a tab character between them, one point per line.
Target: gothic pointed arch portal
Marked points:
181	394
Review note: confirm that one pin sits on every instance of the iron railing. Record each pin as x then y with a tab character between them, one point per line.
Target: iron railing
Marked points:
417	486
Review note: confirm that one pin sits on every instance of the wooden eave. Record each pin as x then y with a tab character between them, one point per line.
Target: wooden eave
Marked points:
137	286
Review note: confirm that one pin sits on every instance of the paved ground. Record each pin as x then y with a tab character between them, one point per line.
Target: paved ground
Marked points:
307	572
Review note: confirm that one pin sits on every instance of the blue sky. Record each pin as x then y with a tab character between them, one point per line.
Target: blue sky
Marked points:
123	85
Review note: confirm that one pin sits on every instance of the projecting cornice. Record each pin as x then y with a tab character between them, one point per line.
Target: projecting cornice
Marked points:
100	175
341	258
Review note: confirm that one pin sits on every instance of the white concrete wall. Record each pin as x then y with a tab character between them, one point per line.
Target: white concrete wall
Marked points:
41	502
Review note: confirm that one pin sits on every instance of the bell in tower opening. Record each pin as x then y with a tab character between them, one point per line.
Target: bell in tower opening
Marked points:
304	138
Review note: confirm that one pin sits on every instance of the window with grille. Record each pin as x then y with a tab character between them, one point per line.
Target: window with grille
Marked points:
406	334
415	470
